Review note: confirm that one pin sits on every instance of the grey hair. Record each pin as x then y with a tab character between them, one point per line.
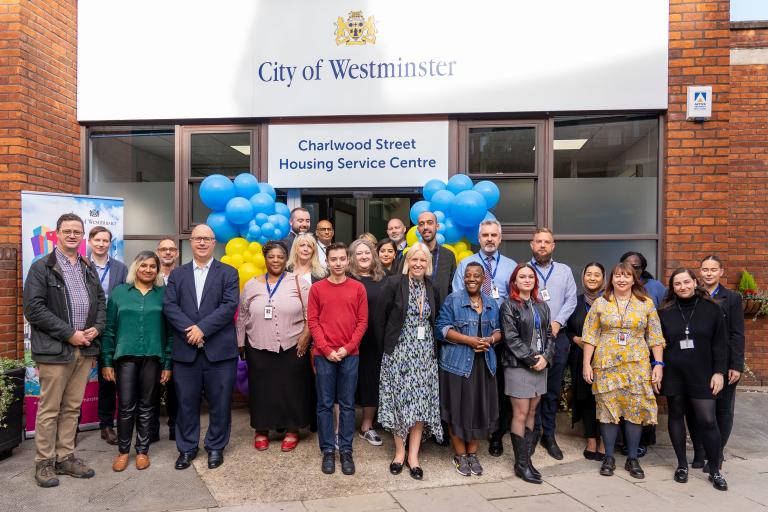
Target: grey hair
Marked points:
489	222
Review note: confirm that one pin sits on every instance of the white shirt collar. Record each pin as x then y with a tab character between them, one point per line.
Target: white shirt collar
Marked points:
195	266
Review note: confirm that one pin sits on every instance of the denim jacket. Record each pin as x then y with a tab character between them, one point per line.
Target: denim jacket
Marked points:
457	314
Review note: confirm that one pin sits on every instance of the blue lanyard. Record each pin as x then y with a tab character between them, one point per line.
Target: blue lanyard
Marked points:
272	291
106	270
715	291
536	318
437	260
549	274
489	266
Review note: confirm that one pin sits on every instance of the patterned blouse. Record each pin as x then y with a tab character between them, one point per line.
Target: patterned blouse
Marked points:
603	327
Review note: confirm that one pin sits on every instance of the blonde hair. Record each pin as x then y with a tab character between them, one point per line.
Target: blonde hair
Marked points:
370	237
293	257
377	269
416	248
138	260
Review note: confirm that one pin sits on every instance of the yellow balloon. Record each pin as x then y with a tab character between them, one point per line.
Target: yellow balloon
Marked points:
255	247
236	245
464	254
236	260
227	261
258	260
247	256
461	246
246	272
411	237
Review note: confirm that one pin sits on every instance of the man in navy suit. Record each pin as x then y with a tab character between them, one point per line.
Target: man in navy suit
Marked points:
111	273
200	303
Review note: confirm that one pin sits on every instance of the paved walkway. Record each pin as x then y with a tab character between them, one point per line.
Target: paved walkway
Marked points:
274	481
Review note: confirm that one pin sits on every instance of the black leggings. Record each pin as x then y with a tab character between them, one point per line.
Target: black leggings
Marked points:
724	411
137	382
706	427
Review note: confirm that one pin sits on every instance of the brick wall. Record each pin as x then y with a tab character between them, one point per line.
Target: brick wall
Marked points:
39	134
748	194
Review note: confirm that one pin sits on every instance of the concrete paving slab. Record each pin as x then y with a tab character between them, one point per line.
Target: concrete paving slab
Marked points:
287	506
512	488
543	503
698	494
376	502
608	493
442	499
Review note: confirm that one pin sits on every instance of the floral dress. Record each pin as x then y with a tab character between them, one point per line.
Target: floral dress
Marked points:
409	390
622	370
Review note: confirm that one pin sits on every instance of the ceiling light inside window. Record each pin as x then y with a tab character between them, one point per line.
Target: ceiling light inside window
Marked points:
569	143
246	150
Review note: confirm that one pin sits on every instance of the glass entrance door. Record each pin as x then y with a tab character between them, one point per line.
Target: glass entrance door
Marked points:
354	214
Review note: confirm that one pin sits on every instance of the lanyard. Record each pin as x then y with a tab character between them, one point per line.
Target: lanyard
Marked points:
421	302
106	270
688	321
714	292
536	318
621	315
272	291
436	261
488	265
549	274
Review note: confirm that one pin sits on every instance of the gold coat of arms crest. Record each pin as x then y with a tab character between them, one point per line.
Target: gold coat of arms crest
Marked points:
356	29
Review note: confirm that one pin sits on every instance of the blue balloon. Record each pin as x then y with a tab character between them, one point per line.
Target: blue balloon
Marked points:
440	238
431	187
489	216
254	231
459	183
222	228
281	223
277	234
262	240
239	211
442	200
263	203
468	208
260	218
246	185
268	189
268	230
439	215
282	209
451	231
243	229
490	192
215	191
418	208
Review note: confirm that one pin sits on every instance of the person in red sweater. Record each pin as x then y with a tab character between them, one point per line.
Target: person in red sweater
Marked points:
337	314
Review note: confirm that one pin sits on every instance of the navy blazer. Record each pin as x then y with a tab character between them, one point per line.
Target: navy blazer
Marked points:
118	272
215	317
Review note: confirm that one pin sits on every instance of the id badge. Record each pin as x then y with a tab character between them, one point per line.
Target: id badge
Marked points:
686	344
268	310
544	294
539	347
623	338
421	332
495	292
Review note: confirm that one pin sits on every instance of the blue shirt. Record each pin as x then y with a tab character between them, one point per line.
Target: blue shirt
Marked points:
103	273
505	268
561	288
656	290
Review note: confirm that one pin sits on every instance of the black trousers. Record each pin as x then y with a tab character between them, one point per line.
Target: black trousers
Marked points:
107	402
137	382
171	404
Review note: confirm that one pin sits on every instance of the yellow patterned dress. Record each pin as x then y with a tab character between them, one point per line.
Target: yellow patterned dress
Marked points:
622	372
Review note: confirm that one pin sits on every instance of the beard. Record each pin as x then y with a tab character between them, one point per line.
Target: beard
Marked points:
542	259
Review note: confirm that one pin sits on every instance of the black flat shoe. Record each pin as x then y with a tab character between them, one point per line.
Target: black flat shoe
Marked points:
718	482
697	463
590	455
635	471
681	475
185	459
215	458
416	472
495	447
550	444
608	466
395	467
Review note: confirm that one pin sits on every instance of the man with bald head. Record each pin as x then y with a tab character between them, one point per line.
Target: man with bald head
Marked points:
324	233
200	302
396	232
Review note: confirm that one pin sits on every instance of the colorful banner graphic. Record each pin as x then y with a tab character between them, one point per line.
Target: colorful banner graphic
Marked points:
39	212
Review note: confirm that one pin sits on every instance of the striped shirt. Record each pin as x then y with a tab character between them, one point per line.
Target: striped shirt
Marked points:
77	293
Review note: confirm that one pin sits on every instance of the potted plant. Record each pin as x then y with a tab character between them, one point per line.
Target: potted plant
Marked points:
753	301
11	404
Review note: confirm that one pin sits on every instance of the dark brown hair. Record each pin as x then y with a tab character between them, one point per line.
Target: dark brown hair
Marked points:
637	285
671	298
69	216
336	246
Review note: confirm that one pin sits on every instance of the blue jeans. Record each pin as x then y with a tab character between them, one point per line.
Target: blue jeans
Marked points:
546	413
336	383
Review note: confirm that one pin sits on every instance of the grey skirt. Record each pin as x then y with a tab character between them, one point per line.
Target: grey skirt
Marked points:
524	383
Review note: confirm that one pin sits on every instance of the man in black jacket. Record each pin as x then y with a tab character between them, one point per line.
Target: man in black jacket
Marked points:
65	307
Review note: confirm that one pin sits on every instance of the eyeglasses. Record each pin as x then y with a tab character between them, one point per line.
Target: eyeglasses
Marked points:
204	239
167	249
324	229
71	232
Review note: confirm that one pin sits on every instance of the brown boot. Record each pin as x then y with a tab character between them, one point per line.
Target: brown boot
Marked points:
74	467
45	475
108	434
121	462
142	461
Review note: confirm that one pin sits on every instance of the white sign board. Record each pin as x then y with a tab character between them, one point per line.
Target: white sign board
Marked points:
357	155
699	102
194	59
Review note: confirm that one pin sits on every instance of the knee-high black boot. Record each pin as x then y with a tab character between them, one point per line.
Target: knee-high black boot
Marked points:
522	470
531	438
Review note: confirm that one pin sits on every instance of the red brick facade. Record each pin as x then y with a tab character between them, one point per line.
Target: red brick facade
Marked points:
715	174
39	134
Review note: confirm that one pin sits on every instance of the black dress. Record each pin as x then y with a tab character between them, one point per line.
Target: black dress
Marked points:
582	400
470	406
371	349
689	371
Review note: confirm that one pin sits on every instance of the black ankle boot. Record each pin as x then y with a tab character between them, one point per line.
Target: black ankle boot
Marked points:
530	442
521	460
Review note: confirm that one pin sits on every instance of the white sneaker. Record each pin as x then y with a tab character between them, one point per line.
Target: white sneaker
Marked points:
371	436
